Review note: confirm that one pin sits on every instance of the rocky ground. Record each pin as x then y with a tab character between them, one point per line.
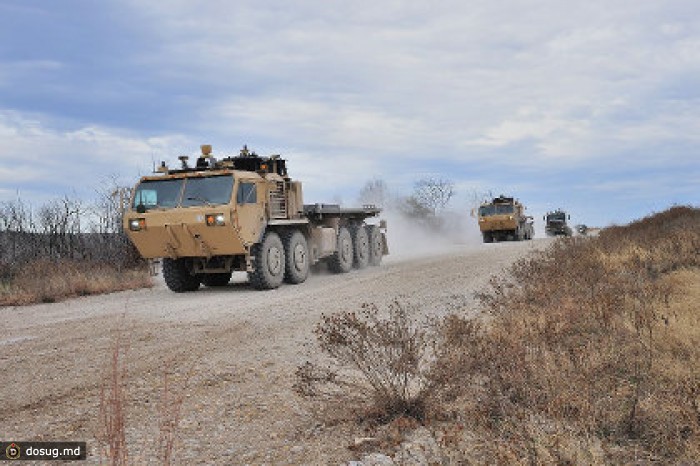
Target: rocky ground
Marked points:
231	354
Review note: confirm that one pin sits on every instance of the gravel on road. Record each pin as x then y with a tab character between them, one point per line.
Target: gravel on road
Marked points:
231	354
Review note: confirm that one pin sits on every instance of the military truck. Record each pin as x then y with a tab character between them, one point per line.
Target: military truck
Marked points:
504	219
555	223
244	213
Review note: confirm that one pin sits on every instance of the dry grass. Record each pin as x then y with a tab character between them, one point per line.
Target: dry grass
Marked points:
590	354
48	281
114	403
170	410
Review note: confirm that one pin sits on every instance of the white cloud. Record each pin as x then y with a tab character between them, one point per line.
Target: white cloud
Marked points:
34	153
355	87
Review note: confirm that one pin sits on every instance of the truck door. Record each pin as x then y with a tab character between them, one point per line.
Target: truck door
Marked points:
250	215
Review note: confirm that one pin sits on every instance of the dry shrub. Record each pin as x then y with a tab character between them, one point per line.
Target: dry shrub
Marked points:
47	281
378	365
587	344
170	407
113	403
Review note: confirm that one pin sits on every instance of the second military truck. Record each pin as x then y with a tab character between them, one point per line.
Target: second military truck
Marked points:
503	218
244	213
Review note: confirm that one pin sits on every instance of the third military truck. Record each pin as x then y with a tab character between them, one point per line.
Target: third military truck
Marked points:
244	213
503	219
555	223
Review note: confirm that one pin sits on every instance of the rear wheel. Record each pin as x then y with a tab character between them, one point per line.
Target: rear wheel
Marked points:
268	263
178	277
360	241
341	261
488	238
216	279
296	252
375	245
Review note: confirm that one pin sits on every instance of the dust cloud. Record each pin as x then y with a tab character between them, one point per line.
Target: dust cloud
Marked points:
411	239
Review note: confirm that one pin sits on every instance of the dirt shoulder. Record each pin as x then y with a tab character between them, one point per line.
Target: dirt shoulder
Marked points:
237	348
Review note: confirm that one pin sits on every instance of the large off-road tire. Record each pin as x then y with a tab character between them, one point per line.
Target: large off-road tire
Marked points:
268	263
519	234
342	259
296	251
216	279
488	237
376	248
360	242
178	277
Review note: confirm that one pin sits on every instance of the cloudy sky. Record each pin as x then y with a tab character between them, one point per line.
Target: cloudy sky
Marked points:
590	105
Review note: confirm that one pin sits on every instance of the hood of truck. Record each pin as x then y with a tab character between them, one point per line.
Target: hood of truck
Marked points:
498	222
183	232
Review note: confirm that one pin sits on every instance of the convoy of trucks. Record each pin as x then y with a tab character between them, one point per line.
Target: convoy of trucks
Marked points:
244	213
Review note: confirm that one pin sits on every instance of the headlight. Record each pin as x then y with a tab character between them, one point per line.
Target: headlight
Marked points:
137	224
216	220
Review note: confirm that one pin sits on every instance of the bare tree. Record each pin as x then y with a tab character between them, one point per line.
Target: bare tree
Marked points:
112	201
413	209
475	198
61	222
374	192
17	241
433	193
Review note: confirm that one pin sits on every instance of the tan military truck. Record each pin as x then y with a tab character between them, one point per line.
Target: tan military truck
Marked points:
244	213
504	219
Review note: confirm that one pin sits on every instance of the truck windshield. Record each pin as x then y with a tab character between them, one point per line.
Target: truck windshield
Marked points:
207	190
158	193
183	192
556	217
495	209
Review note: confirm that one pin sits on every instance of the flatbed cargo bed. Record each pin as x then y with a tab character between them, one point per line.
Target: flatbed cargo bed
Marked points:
334	210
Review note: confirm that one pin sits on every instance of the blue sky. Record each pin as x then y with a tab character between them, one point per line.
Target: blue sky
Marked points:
587	105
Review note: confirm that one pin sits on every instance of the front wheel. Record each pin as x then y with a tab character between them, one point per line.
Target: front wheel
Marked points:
268	263
178	277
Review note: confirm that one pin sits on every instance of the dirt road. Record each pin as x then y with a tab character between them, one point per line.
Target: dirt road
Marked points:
236	347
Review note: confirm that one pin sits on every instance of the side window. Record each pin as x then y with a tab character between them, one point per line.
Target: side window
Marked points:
247	193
